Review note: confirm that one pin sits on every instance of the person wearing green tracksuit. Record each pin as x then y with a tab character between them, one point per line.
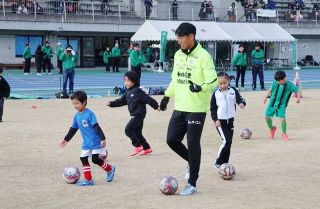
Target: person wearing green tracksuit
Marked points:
193	80
27	59
107	58
47	54
240	61
257	59
136	60
69	59
116	55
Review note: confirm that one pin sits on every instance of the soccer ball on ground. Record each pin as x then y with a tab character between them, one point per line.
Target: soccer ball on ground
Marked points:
168	185
245	133
227	171
71	175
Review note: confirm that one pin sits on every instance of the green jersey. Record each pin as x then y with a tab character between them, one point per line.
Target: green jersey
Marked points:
280	94
106	56
240	59
47	52
59	51
116	52
136	58
68	61
27	53
257	57
198	67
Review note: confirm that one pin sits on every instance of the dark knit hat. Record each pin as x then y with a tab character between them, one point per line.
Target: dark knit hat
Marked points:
132	76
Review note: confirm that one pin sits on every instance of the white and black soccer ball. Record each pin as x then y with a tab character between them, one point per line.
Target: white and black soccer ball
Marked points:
227	171
71	175
168	185
245	133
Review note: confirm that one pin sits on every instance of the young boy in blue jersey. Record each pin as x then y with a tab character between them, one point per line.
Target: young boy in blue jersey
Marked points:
94	141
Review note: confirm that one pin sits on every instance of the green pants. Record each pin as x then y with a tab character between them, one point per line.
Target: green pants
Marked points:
279	112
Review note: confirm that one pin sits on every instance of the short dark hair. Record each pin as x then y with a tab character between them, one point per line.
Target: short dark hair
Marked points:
1	70
280	75
257	44
132	76
186	29
47	42
27	44
135	45
241	45
81	96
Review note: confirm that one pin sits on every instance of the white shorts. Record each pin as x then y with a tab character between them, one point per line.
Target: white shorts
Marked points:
88	153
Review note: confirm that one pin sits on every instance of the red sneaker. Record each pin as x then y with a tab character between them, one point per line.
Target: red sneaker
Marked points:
272	132
136	150
146	151
285	137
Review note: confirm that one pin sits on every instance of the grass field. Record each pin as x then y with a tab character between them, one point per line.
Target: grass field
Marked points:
270	173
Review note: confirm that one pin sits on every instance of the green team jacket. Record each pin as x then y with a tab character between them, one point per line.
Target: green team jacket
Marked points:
68	61
47	52
240	59
257	57
199	68
116	52
27	53
106	56
59	51
136	58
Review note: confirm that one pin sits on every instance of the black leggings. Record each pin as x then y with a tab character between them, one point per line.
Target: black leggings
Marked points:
241	71
95	160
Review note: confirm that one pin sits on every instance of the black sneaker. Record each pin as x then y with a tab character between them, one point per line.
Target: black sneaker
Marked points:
1	121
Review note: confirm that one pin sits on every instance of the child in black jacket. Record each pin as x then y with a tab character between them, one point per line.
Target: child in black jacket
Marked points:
4	92
223	110
136	99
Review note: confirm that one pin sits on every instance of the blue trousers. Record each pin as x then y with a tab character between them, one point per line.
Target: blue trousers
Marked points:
68	74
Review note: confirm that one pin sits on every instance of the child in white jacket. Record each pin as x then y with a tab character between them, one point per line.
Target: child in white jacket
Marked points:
223	110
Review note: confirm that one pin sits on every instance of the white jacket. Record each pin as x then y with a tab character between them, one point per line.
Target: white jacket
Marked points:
223	103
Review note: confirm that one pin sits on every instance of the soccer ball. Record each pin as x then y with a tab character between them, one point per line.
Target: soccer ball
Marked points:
168	185
104	154
71	175
245	133
227	171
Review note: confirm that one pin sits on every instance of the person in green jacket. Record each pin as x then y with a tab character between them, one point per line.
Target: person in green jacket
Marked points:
257	59
193	79
47	54
106	58
240	61
128	53
69	59
59	51
149	54
27	55
136	60
116	55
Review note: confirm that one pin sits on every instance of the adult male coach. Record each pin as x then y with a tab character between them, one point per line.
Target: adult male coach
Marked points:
193	79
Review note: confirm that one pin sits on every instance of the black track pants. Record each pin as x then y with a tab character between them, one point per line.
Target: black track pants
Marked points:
226	133
182	123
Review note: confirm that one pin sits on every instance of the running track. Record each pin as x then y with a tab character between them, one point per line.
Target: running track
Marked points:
97	82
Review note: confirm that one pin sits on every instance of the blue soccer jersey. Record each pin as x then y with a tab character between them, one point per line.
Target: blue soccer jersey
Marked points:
85	121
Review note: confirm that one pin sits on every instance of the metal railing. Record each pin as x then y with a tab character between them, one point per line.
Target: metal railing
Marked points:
11	9
84	11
